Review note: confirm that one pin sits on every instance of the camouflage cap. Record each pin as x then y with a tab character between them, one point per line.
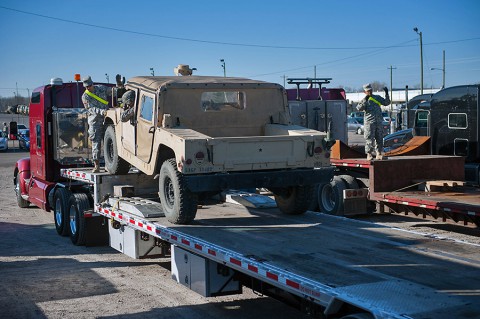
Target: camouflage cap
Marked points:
87	81
128	98
367	87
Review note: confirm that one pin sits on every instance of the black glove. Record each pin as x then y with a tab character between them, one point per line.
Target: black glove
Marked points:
119	80
366	98
386	90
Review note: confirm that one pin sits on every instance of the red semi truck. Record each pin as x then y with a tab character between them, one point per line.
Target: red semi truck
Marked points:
326	266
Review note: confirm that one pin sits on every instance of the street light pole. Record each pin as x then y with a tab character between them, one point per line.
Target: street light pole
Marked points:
421	59
108	78
224	69
152	72
391	96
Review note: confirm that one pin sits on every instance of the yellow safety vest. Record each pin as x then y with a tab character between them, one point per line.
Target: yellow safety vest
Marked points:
375	101
99	99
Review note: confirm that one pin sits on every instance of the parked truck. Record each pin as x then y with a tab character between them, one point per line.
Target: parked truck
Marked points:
323	265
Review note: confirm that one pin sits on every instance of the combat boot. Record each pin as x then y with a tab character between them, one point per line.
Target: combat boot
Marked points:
96	167
369	157
379	156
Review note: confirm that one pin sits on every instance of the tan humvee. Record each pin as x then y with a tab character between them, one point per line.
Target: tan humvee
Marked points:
208	134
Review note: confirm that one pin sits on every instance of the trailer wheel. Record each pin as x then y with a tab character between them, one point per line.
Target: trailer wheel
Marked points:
114	164
60	211
350	181
22	203
178	203
330	197
77	205
294	200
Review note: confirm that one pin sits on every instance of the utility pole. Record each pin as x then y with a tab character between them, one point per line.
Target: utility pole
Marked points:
314	73
224	69
442	69
421	59
284	78
108	78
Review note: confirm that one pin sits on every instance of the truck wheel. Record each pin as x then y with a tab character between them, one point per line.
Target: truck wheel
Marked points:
294	200
330	197
60	212
113	163
77	205
22	203
178	203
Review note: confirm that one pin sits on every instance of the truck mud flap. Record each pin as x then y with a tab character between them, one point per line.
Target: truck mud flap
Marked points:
96	229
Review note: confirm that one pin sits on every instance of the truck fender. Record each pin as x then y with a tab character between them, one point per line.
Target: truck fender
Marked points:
22	171
51	193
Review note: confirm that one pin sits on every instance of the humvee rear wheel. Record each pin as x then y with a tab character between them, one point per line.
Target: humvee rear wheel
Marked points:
179	204
294	200
113	163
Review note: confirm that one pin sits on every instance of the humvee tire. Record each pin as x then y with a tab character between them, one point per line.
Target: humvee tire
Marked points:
294	200
178	203
113	163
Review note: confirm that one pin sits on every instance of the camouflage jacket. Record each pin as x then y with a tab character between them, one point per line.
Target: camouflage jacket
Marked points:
95	108
372	109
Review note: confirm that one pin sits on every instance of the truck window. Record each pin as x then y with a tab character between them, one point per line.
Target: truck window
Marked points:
422	119
38	132
35	97
147	108
457	120
222	101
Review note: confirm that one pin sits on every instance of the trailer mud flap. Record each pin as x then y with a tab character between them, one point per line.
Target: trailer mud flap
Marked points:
96	231
355	201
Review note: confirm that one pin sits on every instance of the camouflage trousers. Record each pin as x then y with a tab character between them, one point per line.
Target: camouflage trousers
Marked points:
373	133
95	134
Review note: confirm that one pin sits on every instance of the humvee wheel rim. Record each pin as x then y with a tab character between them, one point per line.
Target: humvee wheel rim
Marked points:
169	192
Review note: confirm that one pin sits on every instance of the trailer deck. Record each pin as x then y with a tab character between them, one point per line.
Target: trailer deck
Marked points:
325	259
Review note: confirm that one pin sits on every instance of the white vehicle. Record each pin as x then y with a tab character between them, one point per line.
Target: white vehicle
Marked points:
355	125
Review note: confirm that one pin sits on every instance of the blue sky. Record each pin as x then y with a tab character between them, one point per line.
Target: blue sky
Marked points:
352	42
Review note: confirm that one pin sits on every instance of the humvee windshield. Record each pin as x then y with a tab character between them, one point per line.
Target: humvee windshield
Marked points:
222	101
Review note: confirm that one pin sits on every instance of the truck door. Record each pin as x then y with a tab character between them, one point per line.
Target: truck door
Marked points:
421	123
146	124
128	130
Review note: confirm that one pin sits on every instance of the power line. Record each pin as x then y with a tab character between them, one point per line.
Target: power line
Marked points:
218	42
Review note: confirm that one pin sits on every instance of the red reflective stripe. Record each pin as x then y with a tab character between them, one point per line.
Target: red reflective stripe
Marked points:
149	228
186	242
173	237
197	246
293	284
140	224
253	268
235	261
272	276
212	252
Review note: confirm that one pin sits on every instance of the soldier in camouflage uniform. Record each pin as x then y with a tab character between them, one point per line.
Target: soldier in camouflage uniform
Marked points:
373	128
128	100
95	100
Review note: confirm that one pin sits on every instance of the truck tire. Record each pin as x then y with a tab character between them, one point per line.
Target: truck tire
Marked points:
77	205
60	211
113	163
178	203
294	200
330	197
22	203
350	181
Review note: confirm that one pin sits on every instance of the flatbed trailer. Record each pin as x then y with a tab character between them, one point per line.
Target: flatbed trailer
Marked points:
421	185
329	266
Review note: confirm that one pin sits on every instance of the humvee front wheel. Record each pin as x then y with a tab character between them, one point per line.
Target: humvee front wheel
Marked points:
294	200
113	163
179	204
